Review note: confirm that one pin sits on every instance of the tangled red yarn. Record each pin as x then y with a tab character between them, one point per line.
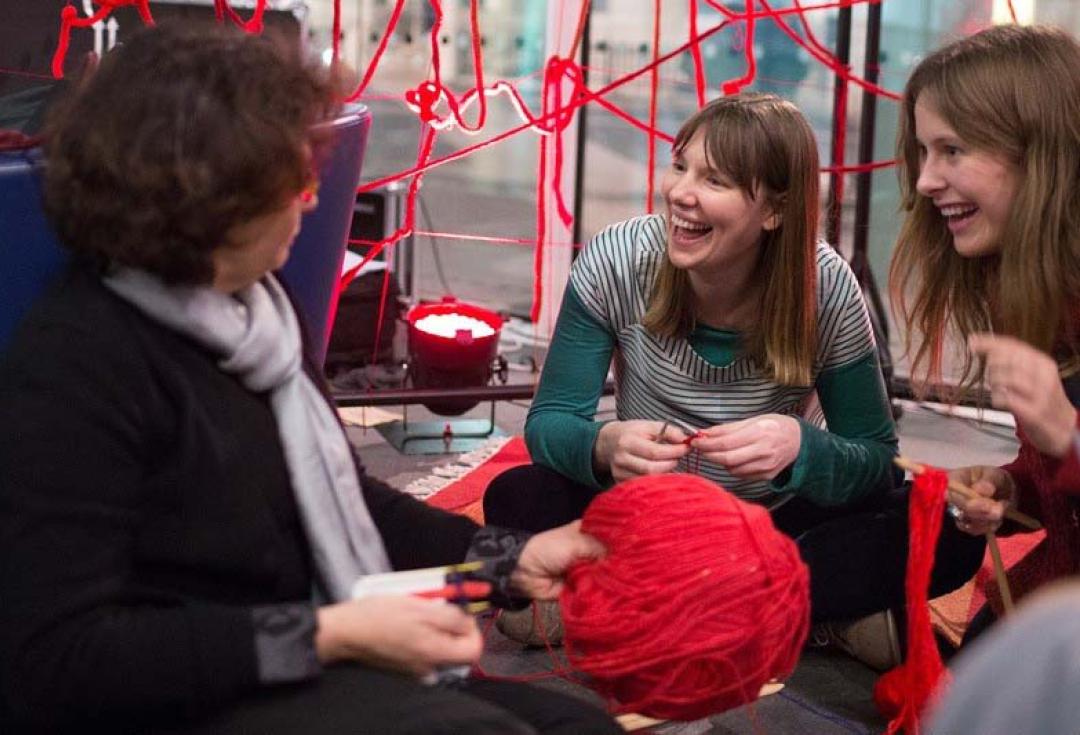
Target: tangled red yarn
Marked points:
699	602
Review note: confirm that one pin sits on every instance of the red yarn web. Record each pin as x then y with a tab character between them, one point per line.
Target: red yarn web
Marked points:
564	91
903	693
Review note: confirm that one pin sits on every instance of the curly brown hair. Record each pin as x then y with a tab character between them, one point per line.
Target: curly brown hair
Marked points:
181	133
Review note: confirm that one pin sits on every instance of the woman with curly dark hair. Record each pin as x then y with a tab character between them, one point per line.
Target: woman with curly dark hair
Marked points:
181	517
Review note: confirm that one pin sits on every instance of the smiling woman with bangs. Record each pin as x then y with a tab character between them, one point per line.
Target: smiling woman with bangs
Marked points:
738	336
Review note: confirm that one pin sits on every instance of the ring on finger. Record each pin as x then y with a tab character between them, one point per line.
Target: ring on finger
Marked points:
956	512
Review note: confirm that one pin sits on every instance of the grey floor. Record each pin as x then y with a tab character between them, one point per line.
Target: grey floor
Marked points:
829	692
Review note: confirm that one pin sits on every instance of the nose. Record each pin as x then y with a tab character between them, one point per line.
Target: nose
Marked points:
681	191
930	180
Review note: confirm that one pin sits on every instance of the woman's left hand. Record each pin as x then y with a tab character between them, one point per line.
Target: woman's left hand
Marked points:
547	556
1025	382
758	448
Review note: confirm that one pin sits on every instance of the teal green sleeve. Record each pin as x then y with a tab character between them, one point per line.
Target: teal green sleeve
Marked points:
853	459
561	428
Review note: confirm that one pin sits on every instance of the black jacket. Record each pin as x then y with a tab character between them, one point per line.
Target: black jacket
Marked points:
145	511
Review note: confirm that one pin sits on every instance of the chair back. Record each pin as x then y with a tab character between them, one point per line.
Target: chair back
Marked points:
313	270
30	254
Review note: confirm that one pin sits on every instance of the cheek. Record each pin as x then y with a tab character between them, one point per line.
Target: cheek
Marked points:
666	183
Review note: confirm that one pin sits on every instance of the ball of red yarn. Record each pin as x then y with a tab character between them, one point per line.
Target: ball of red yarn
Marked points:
698	603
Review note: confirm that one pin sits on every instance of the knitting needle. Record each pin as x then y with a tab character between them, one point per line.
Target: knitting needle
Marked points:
999	573
966	492
663	428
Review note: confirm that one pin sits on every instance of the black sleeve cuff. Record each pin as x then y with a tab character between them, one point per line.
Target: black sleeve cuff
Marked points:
498	549
285	643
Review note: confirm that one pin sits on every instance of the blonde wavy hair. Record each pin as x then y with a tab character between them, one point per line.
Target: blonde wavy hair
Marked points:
764	144
1013	91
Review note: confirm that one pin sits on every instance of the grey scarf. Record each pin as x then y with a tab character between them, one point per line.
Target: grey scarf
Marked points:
256	335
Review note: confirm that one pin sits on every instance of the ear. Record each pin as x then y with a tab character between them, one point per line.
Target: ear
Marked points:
773	222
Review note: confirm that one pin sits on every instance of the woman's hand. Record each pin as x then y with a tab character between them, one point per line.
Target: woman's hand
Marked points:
1025	382
629	449
997	493
758	448
406	634
547	556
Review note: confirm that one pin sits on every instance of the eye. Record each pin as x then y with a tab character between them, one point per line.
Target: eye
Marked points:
951	150
678	166
717	180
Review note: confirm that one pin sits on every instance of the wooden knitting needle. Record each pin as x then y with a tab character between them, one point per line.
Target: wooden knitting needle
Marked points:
999	573
991	537
963	490
631	721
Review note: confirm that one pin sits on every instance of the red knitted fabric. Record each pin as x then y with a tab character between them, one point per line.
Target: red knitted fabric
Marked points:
904	692
699	602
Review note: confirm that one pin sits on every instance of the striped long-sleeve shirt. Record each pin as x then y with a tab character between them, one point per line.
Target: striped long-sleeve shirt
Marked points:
706	379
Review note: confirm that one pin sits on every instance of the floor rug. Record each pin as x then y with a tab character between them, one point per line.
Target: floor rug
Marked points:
951	613
459	486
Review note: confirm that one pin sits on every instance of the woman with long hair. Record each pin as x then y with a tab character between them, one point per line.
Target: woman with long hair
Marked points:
989	258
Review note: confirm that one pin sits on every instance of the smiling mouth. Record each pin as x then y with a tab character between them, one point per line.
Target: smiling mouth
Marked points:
958	214
684	229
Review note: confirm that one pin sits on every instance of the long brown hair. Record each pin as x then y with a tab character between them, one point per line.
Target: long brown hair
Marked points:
764	144
1014	91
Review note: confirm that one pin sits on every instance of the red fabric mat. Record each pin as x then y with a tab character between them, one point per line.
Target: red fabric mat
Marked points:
465	495
951	613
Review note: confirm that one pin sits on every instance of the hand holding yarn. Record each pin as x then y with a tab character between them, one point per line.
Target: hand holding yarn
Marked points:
697	604
1025	382
758	448
628	449
982	515
546	557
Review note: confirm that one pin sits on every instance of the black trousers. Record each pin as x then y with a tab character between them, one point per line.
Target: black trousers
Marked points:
857	554
356	700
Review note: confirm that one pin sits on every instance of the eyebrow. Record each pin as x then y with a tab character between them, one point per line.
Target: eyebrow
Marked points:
953	137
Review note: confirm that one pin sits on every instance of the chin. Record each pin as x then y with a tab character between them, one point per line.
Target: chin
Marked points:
975	247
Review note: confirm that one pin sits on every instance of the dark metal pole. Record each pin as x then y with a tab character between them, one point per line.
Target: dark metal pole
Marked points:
579	154
843	56
864	180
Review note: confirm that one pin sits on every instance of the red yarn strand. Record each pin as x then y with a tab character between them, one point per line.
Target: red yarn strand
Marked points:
905	691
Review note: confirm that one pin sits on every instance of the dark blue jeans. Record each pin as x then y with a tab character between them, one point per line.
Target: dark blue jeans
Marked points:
857	553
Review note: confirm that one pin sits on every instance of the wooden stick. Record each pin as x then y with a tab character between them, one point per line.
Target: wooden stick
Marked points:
999	573
631	721
964	491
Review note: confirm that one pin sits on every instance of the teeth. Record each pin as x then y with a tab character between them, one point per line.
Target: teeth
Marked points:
687	224
957	210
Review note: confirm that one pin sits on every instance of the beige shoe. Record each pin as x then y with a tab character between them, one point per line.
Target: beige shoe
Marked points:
540	624
874	640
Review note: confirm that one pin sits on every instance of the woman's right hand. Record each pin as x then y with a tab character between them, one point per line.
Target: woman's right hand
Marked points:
996	494
629	449
406	634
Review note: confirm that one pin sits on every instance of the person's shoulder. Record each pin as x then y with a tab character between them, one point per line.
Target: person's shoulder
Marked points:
833	272
75	314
